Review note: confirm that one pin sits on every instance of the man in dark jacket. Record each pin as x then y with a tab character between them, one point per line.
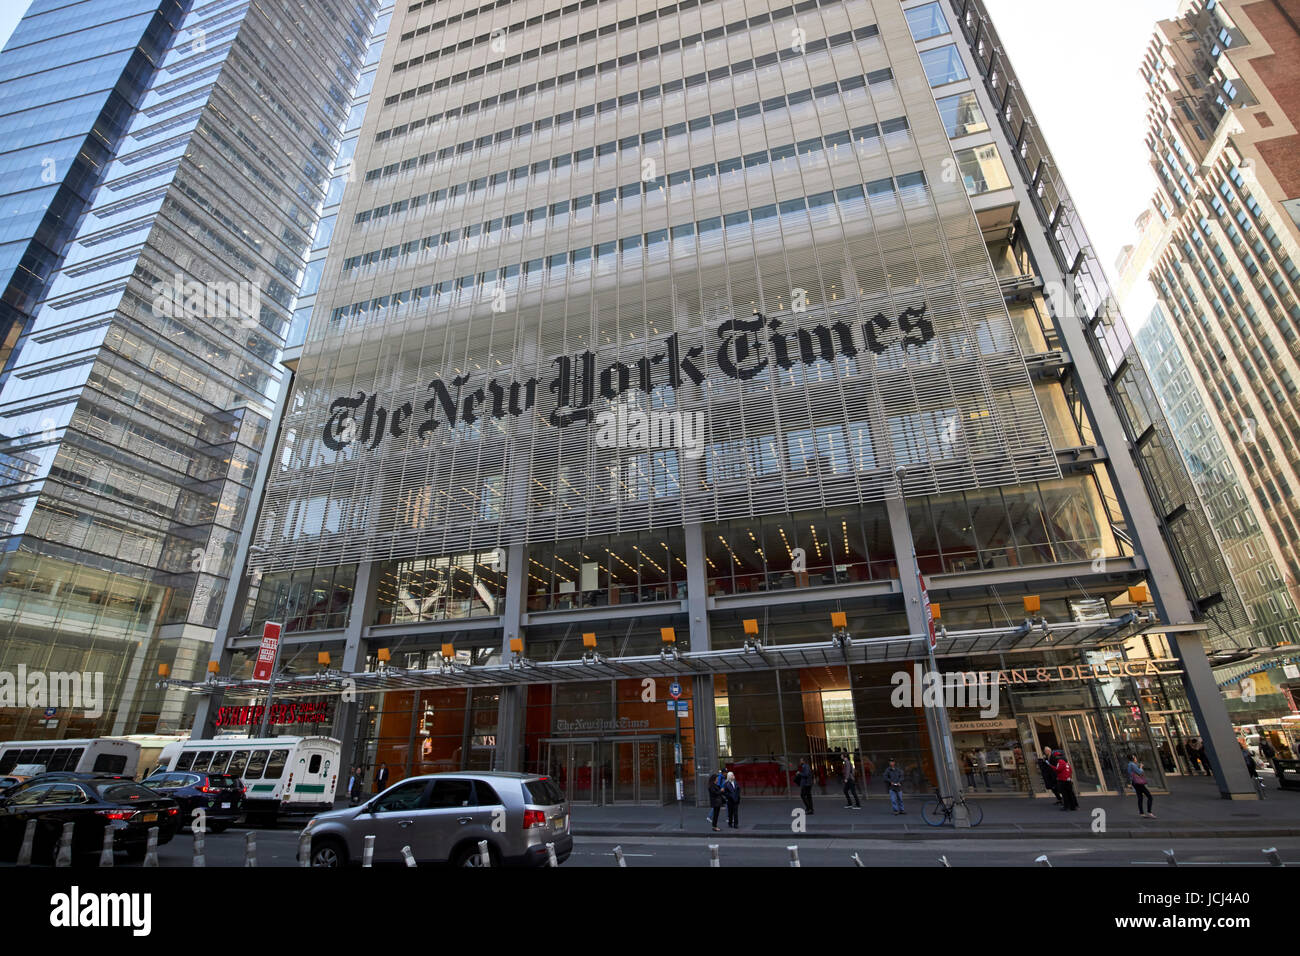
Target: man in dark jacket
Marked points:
381	778
1049	775
1266	751
803	778
356	784
716	798
1203	758
850	776
894	780
731	793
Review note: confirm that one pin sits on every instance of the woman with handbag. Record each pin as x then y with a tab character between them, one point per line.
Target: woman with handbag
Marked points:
1138	777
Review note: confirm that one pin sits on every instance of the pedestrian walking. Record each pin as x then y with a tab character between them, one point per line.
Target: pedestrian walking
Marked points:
716	798
894	779
381	778
731	793
1251	766
1137	776
850	775
1049	774
969	767
804	778
1064	781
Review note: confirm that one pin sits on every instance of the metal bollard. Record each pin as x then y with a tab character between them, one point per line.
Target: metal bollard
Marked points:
1170	858
713	855
551	859
29	837
1259	785
857	860
1273	858
304	848
794	856
151	848
484	857
943	861
368	854
200	858
618	855
250	849
408	856
64	855
1043	860
106	853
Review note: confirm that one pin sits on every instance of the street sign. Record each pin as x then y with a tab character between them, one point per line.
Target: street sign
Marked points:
266	652
675	690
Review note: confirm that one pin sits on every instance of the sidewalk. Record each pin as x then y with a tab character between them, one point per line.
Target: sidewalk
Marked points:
1192	808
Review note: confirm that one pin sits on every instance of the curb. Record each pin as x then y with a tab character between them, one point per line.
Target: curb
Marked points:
948	833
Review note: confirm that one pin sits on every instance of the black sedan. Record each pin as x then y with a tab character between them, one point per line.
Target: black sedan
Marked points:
219	795
92	806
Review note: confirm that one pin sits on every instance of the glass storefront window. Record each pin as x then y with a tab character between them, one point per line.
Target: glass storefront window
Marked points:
442	588
304	600
605	571
810	549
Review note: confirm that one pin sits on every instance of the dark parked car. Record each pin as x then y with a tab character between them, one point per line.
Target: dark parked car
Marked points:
443	817
91	805
219	795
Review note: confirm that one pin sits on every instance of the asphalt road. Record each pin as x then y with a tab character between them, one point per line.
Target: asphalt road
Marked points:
276	848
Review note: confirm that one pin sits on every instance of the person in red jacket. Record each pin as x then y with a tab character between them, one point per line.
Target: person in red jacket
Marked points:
1064	781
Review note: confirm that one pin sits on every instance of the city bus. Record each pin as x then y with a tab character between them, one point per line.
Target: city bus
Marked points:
282	776
101	755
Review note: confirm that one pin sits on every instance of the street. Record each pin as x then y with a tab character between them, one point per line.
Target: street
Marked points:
276	848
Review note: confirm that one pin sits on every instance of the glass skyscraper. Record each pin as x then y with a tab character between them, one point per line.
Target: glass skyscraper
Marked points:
654	338
149	288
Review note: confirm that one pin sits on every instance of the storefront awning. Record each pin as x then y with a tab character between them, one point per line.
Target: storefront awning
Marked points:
1027	637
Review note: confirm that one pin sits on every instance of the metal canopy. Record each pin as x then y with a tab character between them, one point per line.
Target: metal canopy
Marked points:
1030	636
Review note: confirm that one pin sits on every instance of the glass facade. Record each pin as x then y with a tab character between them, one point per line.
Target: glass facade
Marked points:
139	392
609	222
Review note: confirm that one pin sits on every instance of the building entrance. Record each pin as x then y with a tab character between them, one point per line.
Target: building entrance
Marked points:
1073	733
598	771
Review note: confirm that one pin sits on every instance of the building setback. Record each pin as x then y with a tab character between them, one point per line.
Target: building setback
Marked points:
148	293
651	341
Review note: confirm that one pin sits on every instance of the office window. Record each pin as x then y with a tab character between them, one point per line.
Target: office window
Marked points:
961	115
943	65
926	21
981	169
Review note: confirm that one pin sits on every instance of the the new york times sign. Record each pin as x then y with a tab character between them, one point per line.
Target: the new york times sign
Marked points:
746	348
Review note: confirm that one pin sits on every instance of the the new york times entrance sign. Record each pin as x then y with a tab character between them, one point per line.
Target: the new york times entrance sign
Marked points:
746	348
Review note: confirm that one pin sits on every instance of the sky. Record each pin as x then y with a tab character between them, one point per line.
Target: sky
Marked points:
1078	65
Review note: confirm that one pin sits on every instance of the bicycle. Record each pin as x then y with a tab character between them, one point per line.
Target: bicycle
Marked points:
942	811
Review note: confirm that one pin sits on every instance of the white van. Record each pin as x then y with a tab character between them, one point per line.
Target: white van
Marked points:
151	748
282	776
100	755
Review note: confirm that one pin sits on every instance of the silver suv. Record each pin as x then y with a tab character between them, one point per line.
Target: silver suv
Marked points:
442	817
